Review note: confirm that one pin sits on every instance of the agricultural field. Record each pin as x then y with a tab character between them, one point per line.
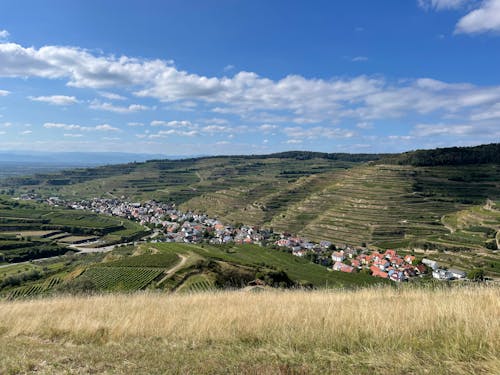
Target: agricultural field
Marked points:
120	278
183	268
31	230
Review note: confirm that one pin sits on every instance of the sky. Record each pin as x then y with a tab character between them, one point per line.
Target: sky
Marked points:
202	77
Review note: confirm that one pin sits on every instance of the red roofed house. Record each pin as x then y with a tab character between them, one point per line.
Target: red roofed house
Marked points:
409	259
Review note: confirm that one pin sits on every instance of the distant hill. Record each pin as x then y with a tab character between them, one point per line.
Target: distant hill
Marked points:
383	200
482	154
78	158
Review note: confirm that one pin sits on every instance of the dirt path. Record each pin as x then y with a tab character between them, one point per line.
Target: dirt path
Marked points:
200	176
174	269
447	226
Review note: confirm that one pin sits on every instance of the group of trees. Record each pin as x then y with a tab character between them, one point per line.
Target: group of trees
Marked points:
483	154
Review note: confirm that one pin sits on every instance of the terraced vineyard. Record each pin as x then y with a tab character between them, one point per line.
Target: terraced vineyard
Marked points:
34	289
196	284
354	199
389	205
121	278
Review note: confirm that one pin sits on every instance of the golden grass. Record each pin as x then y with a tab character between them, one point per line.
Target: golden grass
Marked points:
406	330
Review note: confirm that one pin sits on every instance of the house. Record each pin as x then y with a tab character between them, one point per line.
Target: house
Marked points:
409	259
430	263
338	266
457	274
441	274
356	263
350	252
338	256
390	254
378	273
420	269
325	244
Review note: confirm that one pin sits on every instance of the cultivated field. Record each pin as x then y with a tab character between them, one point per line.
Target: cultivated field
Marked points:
369	331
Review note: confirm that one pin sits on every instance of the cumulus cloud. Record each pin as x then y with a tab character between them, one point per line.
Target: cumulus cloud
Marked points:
484	19
4	34
95	104
26	132
135	124
291	99
4	92
61	100
63	126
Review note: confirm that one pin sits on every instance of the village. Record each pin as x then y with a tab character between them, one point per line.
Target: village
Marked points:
169	224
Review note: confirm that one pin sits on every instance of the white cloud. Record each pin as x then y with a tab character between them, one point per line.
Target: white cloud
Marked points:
135	124
293	141
111	95
62	100
173	124
359	59
166	133
291	99
317	132
4	34
490	113
2	132
364	125
484	19
441	4
486	131
266	128
103	127
95	104
106	128
4	92
228	68
26	132
73	135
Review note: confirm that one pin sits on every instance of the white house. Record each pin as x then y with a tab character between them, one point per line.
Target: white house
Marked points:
457	274
430	263
442	274
338	256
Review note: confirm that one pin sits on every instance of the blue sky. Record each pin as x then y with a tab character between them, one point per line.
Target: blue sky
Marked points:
225	77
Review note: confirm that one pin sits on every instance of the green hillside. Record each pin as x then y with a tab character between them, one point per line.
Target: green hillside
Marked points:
383	200
30	230
171	268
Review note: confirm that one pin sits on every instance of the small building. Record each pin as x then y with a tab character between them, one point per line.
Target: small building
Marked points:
338	256
441	274
457	274
430	263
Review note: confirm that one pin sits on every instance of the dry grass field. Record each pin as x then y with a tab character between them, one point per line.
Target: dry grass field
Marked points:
369	331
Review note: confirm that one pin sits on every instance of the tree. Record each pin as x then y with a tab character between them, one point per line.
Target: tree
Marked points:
476	274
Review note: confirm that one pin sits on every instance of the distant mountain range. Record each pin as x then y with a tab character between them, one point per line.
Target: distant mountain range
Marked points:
80	158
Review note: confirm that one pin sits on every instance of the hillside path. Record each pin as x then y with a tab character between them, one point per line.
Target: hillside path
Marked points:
174	269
